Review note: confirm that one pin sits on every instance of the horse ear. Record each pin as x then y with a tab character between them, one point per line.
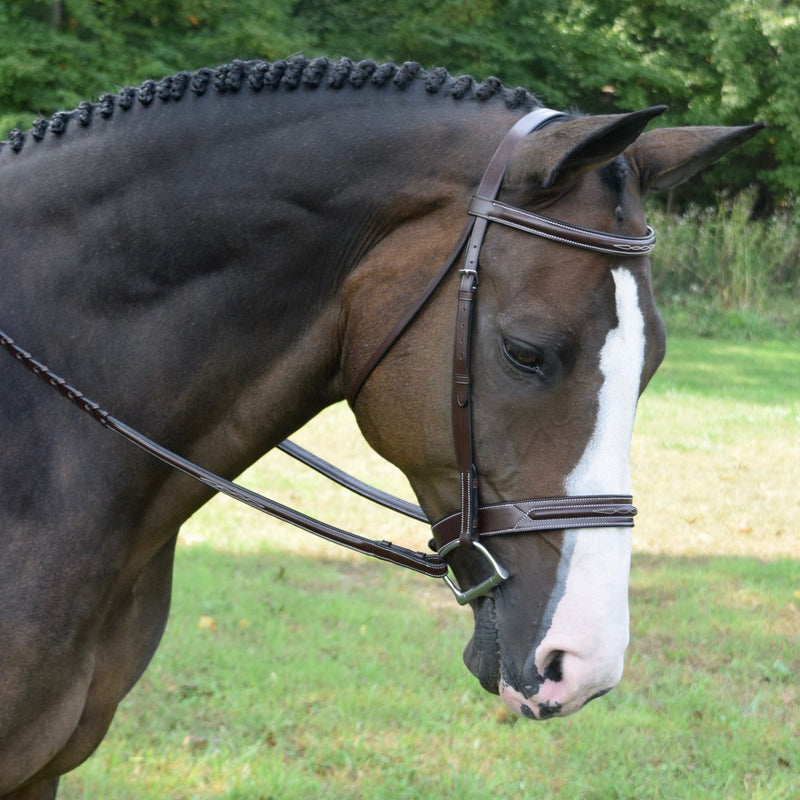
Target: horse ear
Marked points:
560	153
668	156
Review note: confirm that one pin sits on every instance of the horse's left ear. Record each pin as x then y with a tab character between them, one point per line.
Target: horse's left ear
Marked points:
667	156
560	153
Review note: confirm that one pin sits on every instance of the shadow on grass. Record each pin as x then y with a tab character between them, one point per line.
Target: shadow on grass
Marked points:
290	677
738	618
735	618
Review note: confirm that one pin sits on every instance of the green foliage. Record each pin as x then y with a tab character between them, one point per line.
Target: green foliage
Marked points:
101	45
717	271
712	61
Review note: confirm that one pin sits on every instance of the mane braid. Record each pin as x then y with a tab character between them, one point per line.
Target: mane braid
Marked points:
290	75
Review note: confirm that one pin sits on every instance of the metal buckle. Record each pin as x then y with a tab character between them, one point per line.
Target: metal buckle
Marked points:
485	587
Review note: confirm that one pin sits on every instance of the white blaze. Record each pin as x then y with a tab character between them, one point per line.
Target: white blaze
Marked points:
589	624
604	467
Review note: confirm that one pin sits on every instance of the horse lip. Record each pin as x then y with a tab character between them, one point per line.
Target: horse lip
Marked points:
482	653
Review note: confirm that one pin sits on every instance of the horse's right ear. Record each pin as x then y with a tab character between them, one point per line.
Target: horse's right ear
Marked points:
667	156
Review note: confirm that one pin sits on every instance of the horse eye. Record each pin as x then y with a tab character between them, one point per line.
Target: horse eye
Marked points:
524	357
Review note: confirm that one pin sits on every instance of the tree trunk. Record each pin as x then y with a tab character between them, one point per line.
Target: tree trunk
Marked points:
56	14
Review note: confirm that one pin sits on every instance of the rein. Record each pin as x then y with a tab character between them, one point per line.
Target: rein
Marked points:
431	565
472	522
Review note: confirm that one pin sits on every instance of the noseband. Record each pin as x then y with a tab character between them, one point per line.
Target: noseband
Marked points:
474	522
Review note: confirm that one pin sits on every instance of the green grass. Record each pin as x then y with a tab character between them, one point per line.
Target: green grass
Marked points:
697	315
293	670
716	452
346	685
762	373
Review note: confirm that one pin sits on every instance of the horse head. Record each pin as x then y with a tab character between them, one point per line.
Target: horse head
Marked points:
564	340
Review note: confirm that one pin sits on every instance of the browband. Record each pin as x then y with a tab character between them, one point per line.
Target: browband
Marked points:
587	238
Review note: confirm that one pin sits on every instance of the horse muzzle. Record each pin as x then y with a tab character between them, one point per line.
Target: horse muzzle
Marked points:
551	682
553	635
569	682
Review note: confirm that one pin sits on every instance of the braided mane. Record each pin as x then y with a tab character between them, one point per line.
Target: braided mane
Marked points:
288	75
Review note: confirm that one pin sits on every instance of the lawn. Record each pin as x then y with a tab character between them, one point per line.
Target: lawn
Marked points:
293	670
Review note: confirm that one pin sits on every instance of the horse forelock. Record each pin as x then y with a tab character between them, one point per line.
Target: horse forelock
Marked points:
283	75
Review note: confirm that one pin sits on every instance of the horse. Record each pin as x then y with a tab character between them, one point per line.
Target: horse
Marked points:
221	254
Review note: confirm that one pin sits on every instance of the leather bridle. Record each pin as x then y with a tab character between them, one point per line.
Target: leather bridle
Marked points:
467	527
474	522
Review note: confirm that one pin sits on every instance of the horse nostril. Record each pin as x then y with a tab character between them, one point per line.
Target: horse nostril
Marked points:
554	671
560	682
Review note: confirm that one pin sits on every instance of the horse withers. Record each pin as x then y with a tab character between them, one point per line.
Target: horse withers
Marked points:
216	257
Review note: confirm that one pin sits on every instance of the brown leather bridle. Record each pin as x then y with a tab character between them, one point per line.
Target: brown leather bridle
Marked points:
473	522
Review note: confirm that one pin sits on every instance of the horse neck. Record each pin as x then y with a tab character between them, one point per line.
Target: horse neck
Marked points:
206	256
